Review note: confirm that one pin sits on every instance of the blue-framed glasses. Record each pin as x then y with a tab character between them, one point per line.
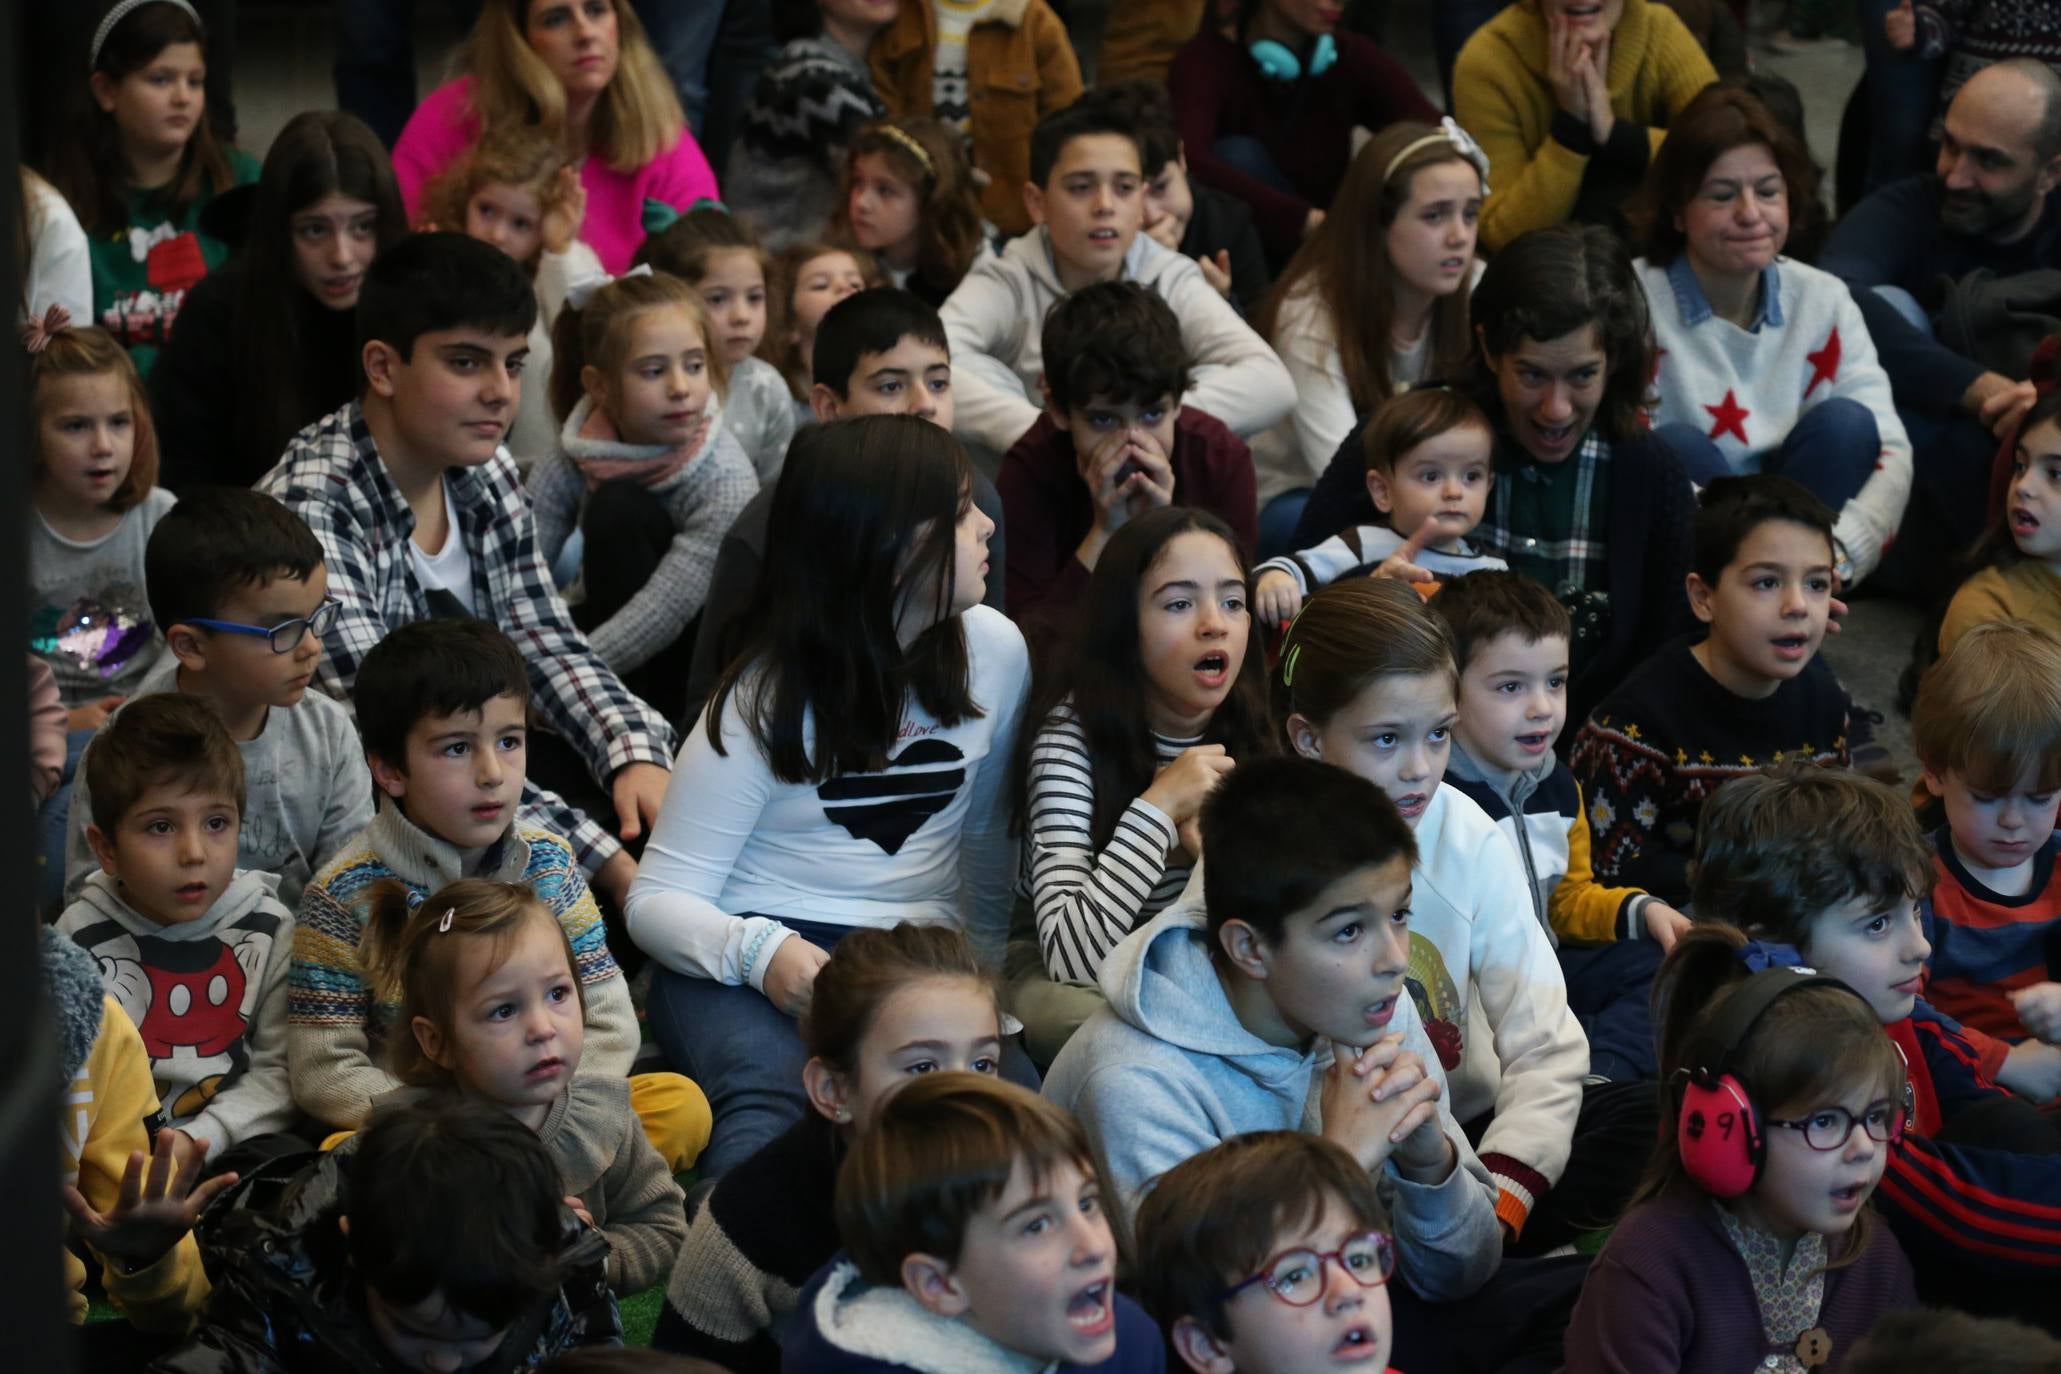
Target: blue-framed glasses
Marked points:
286	635
1829	1128
1296	1277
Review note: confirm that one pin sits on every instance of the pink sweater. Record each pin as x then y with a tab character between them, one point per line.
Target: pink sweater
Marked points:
444	125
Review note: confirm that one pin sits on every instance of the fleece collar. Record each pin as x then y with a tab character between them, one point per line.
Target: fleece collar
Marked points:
72	981
428	862
247	888
886	1324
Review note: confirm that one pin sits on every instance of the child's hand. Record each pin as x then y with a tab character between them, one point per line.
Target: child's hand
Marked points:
1182	786
579	1209
1900	27
2033	1070
93	714
791	978
1402	564
1275	597
1217	271
1384	1100
151	1213
2039	1007
1664	924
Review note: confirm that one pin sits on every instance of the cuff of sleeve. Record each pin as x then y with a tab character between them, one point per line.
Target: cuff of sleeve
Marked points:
1284	565
1630	145
762	937
1518	1189
1151	814
1631	917
636	746
1572	134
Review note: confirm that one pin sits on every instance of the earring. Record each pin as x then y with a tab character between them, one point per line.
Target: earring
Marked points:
844	1114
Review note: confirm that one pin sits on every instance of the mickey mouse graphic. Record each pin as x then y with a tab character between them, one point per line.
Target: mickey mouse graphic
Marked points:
191	1001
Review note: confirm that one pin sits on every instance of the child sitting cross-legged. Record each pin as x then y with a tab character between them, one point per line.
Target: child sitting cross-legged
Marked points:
977	1243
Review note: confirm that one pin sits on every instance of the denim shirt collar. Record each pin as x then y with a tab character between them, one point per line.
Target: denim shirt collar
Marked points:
1695	306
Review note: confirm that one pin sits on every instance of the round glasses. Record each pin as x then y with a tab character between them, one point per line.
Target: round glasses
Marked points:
1296	1277
1829	1128
286	636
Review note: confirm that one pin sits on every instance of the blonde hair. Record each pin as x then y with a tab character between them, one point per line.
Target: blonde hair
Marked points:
91	351
518	155
637	118
598	334
1993	705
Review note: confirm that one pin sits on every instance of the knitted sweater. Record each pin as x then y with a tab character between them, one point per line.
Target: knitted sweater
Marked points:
1985	944
89	618
1669	737
1973	34
338	1024
1750	387
2025	590
759	413
785	169
1539	157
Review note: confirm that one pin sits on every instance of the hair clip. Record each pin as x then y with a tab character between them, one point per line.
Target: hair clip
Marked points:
914	149
122	10
444	926
657	216
416	899
1762	955
1449	131
582	291
36	332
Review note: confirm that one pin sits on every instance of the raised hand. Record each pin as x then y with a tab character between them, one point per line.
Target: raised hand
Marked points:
1402	564
1216	270
1183	785
156	1206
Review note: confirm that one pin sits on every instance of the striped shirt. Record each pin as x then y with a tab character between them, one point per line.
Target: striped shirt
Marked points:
1986	945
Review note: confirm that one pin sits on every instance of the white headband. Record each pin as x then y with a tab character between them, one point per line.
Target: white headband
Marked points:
1448	132
580	292
122	10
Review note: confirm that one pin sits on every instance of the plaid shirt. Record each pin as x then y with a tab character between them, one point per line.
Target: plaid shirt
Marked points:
332	477
1546	520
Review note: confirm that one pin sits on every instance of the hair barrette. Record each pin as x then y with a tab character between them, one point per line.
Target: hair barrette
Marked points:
657	216
37	331
1450	132
582	291
122	10
444	926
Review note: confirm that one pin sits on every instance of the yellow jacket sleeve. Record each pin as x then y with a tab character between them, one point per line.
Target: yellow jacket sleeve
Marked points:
1582	908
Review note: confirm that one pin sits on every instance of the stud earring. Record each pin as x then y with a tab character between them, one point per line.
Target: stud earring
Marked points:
844	1114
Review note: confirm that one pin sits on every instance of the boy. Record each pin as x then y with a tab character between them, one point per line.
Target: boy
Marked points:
1702	711
1114	441
443	706
195	952
973	1222
420	512
1268	1254
1282	1006
239	586
1086	197
1510	639
1987	726
1428	474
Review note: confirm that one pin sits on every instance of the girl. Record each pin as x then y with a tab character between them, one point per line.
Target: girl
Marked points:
644	466
1156	702
1782	1266
849	769
57	265
1367	682
889	1004
269	343
2018	557
1765	363
495	1011
141	165
910	201
1403	292
719	256
809	278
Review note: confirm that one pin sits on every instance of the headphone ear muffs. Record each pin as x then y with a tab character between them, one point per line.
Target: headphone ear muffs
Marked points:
1717	1135
1324	56
1276	61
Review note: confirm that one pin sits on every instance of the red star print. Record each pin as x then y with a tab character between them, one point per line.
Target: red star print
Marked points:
1729	416
1824	363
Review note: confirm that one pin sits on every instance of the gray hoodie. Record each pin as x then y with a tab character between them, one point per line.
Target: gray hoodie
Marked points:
1167	1070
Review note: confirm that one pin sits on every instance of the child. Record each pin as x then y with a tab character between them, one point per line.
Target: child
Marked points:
890	1005
645	466
720	257
1159	695
1987	728
239	586
57	261
1428	471
2017	577
1702	711
443	710
1268	1254
1367	683
808	280
990	72
910	200
493	1009
1114	442
141	164
419	512
1288	991
195	951
974	1224
440	1240
1752	1236
1086	197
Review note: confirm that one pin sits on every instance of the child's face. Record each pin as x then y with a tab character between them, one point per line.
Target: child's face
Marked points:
243	669
1513	700
1431	240
1397	734
174	851
85	437
515	1031
883	209
1879	951
733	286
431	1335
1802	1189
1999	831
334	241
930	1026
464	772
1092	205
509	217
1738	220
1551	391
821	283
1768	610
157	107
912	378
970	557
1446	478
1037	1268
658	394
1337	969
1348	1324
1192	631
455	396
1089	425
1169	204
2035	510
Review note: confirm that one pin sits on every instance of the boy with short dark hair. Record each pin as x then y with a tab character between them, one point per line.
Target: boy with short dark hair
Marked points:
1245	1016
975	1239
238	585
1745	694
420	512
1086	196
195	952
1114	441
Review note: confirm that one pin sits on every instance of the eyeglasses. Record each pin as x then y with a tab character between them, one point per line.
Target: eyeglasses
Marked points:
1829	1128
1296	1277
286	635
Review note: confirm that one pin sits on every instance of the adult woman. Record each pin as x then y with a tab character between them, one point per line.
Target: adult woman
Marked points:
269	343
583	71
1765	363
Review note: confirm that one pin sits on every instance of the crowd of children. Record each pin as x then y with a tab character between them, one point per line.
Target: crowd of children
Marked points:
1248	658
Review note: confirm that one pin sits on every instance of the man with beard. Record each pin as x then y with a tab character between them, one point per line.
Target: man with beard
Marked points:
1987	205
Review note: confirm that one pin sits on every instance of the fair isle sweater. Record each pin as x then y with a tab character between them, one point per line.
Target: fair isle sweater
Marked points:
337	1025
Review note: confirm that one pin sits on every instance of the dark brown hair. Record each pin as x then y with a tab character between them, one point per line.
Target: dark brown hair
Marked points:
869	966
948	222
166	738
91	351
1349	635
780	347
1415	417
1480	606
1718	120
1991	706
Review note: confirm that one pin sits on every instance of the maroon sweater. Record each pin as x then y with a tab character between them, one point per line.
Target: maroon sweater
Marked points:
1306	124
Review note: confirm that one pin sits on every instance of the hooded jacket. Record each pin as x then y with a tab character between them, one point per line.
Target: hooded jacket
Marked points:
1167	1070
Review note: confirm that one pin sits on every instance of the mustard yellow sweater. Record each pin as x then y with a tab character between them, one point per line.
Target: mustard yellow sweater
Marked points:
1502	97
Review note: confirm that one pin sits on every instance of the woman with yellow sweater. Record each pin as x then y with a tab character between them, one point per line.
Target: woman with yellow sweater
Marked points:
1569	98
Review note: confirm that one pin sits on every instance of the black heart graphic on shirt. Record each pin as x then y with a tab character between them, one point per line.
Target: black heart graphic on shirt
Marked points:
889	806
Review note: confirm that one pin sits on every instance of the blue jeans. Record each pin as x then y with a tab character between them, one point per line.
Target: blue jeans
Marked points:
1903	93
1250	156
713	50
1831	450
53	820
375	59
1277	522
747	1055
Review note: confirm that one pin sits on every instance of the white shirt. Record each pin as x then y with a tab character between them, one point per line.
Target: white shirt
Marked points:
450	569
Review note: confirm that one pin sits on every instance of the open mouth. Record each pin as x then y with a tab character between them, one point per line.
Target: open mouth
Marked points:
1102	238
1412	804
97	475
1356	1344
1554	436
190	892
1792	648
1213	668
2023	521
1089	1311
1580	13
1849	1198
1453	265
1536	743
1379	1014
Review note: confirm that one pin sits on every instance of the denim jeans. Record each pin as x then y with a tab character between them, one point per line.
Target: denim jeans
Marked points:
1277	522
53	819
1831	450
375	59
